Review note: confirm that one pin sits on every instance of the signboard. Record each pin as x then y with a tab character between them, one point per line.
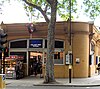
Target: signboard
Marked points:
35	43
77	60
13	57
67	59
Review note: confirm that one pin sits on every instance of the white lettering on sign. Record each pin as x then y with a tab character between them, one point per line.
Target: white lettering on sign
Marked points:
35	45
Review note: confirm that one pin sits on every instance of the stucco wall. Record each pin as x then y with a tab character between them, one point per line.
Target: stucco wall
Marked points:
80	45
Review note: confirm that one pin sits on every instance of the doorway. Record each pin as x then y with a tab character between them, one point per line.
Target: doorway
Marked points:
35	63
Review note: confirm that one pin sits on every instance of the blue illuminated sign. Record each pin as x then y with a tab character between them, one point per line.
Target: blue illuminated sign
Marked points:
35	43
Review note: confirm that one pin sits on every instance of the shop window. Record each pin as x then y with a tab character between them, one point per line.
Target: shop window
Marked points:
18	44
20	54
35	43
97	60
58	44
58	58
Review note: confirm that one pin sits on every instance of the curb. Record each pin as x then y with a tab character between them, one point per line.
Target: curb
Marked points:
69	85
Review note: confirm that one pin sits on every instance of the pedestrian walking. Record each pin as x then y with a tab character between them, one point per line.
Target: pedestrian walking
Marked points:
39	69
35	65
98	68
17	69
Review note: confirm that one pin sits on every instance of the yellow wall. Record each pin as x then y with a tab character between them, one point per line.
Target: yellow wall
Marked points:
92	70
80	44
81	51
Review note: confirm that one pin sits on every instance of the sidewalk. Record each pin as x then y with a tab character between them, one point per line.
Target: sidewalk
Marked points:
36	81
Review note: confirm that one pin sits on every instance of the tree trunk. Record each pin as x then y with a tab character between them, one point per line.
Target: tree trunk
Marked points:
49	72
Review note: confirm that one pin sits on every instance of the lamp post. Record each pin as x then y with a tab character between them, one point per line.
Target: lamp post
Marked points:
70	43
70	23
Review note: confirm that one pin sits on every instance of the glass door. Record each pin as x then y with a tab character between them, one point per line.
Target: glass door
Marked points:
35	63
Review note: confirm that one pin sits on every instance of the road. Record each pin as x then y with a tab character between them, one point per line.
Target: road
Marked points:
49	87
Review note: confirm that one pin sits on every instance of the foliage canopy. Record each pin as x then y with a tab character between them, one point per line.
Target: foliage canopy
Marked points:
91	8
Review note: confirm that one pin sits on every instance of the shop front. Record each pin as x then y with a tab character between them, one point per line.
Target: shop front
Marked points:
36	51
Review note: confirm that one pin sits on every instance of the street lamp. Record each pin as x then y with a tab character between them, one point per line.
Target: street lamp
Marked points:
70	43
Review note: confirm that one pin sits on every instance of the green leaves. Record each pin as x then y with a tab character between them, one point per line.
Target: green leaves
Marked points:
91	8
63	8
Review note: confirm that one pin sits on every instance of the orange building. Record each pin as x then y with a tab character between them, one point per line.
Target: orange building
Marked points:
85	47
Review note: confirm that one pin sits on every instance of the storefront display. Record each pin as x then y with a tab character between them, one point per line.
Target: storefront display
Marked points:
10	72
10	67
10	64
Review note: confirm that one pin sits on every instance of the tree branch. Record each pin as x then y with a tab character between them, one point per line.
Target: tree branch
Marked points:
38	8
46	8
49	1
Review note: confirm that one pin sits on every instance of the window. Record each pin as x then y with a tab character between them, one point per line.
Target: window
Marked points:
58	58
18	44
58	44
97	61
20	54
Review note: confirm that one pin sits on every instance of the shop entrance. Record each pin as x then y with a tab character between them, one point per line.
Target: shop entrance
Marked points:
35	63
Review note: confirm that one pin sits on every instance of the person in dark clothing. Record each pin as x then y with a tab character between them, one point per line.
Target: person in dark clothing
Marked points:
39	68
99	65
17	70
35	65
39	64
98	68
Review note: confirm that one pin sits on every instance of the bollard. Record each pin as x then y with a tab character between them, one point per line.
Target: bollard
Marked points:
70	67
2	81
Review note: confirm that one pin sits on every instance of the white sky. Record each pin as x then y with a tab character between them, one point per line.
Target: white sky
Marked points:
15	13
